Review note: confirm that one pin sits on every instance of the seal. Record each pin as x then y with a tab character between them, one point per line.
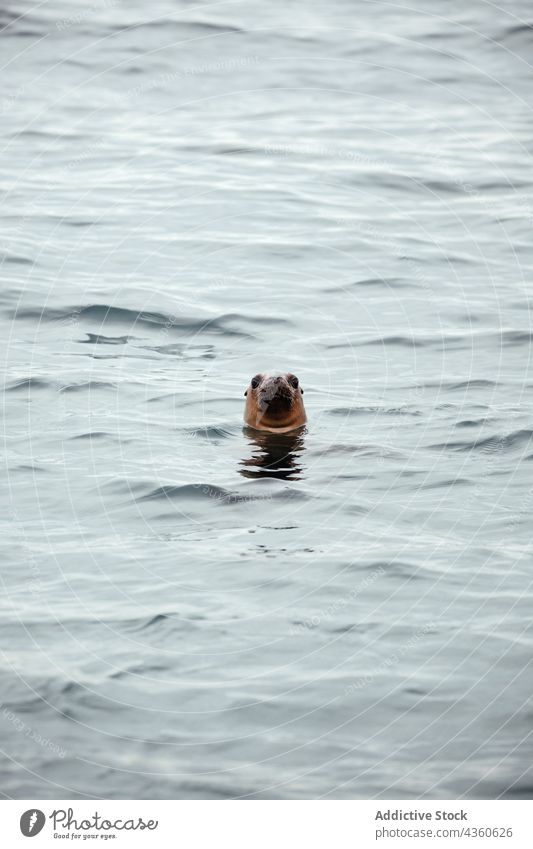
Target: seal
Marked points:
274	403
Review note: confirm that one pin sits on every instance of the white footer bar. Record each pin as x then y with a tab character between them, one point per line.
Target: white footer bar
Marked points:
268	824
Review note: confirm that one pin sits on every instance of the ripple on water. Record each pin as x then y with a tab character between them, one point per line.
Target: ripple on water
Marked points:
142	670
179	349
98	339
88	386
360	411
213	433
374	282
446	483
187	492
104	314
494	443
29	383
181	26
384	341
16	259
210	492
95	434
13	23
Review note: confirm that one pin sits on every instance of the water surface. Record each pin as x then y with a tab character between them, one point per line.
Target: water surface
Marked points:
193	194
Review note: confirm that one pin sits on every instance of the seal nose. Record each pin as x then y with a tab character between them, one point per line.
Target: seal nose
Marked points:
275	396
271	387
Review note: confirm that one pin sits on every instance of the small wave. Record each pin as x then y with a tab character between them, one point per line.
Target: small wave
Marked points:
456	187
288	494
27	468
23	33
516	337
28	383
133	69
203	789
360	411
74	222
389	567
168	23
94	434
471	423
519	29
365	450
212	433
208	26
142	669
210	492
385	282
156	620
98	339
104	313
397	341
204	404
178	349
332	449
89	385
161	620
15	259
476	383
235	151
446	483
253	319
190	492
71	687
518	790
507	338
17	24
351	628
356	509
490	444
9	17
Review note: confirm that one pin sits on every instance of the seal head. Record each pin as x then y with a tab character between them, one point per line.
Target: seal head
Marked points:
274	403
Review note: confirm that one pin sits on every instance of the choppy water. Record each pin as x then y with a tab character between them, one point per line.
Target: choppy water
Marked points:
192	194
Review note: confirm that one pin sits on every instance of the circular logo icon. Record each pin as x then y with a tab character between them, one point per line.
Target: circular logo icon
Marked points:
32	822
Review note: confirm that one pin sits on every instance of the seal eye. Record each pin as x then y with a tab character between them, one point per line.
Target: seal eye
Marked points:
294	382
256	381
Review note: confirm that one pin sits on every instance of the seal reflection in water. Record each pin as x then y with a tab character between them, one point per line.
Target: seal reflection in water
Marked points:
275	416
274	455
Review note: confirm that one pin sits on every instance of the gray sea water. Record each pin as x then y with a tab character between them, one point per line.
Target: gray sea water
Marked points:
193	193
